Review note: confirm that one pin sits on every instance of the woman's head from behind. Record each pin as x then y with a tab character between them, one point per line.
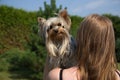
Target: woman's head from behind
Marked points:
96	47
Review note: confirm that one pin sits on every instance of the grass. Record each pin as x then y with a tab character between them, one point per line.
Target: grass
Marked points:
16	75
4	76
118	66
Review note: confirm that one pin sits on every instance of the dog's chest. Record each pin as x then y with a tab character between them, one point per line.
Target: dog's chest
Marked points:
65	61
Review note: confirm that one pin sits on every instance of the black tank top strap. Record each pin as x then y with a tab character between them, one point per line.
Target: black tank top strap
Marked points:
60	75
118	72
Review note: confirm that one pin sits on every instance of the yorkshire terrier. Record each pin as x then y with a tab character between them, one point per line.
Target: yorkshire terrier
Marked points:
59	43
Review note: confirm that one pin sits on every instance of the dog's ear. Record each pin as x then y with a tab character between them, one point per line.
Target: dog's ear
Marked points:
65	16
41	28
41	20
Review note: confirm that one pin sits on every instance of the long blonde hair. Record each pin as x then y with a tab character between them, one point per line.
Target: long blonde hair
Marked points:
96	48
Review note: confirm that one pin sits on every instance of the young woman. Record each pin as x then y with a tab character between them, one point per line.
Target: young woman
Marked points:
95	52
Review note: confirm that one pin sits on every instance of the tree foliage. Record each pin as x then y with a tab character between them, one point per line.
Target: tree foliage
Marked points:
49	9
15	27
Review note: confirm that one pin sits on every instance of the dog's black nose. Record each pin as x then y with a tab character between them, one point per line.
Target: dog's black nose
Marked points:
56	31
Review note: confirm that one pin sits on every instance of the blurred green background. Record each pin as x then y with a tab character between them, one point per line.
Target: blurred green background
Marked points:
22	52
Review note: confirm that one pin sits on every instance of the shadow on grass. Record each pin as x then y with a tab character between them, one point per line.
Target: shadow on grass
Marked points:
20	75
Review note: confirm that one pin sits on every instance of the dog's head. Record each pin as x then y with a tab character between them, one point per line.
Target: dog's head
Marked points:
56	32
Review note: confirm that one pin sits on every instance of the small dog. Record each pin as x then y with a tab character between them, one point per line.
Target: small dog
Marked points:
59	43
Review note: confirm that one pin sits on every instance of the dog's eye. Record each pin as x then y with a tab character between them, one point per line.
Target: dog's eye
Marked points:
51	26
59	24
63	26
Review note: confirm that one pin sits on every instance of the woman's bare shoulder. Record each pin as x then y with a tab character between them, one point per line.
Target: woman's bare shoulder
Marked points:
54	74
72	73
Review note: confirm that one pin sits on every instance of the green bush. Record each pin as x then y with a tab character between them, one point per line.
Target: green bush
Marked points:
76	20
21	60
13	57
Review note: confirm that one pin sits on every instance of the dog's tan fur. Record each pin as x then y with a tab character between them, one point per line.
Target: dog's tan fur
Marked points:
59	43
